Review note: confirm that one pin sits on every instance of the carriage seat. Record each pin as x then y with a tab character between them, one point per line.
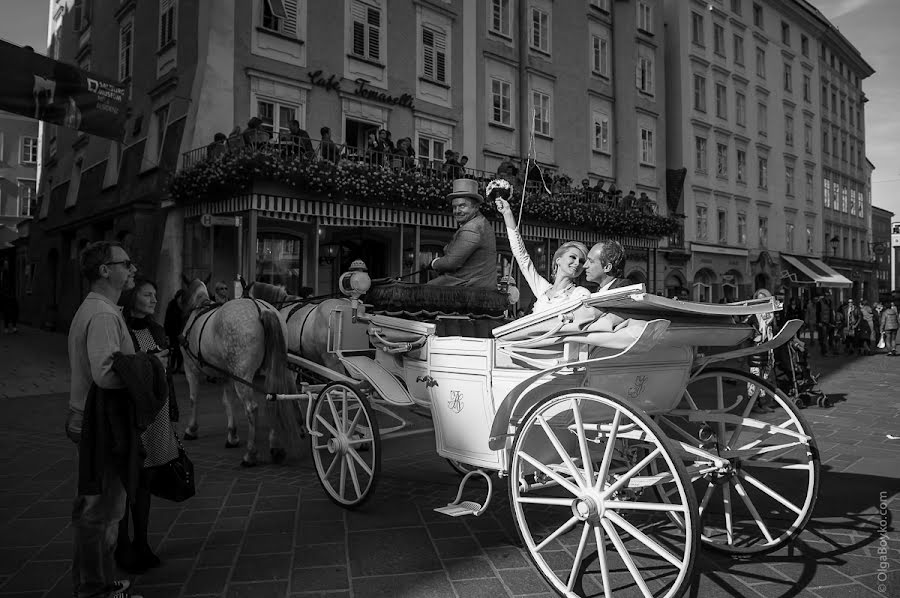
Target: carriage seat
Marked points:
454	311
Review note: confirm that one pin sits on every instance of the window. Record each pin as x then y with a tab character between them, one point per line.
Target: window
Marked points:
700	154
647	155
29	150
850	114
702	227
644	75
810	235
843	150
758	16
540	103
167	12
844	198
126	31
540	30
500	17
825	142
789	130
786	34
825	95
366	31
834	102
430	148
276	116
601	4
763	173
434	55
500	94
740	108
645	17
280	16
161	117
601	133
741	166
761	63
721	101
27	198
736	6
700	93
719	39
762	118
739	50
742	228
789	236
834	145
788	78
807	138
723	226
722	160
600	55
852	155
789	180
808	187
81	15
804	45
826	192
697	32
807	88
763	231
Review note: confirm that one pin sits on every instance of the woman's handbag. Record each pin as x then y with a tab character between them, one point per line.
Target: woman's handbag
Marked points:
881	343
175	480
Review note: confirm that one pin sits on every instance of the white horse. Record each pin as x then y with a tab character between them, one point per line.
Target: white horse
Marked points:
239	338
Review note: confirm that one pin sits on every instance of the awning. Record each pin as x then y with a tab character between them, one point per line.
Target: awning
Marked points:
817	271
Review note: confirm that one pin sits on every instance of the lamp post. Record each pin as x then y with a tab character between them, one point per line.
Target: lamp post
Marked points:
834	245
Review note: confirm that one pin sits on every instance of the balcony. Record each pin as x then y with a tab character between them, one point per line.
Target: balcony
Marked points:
358	176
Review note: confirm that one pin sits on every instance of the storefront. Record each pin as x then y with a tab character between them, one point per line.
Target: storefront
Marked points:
718	274
805	275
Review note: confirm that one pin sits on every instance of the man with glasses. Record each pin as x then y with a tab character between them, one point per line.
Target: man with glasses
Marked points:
97	333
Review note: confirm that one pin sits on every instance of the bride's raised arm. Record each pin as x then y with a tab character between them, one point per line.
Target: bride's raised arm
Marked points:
496	190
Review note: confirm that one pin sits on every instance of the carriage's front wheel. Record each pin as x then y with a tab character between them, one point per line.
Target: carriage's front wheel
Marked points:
752	459
583	467
346	444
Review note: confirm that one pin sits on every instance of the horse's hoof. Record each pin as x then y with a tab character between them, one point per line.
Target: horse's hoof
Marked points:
248	463
235	444
278	455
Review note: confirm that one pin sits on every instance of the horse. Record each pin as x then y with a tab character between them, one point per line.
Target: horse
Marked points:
238	338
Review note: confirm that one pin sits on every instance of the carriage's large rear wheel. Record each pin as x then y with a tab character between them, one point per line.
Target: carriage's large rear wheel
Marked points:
582	471
346	444
761	492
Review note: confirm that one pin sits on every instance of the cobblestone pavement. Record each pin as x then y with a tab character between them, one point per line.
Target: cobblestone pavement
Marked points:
270	532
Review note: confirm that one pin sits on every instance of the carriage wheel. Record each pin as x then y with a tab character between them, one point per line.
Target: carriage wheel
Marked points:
345	444
582	469
762	491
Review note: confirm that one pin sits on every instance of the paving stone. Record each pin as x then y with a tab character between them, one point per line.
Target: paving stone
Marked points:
12	559
190	530
267	567
277	503
225	537
318	555
480	588
449	548
171	571
342	594
240	500
449	529
320	578
31	532
522	582
217	556
196	516
267	543
391	552
181	548
319	533
257	590
48	508
468	568
36	575
271	522
423	585
207	581
507	558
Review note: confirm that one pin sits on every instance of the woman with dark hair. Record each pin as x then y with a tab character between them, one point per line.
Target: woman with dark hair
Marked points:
139	306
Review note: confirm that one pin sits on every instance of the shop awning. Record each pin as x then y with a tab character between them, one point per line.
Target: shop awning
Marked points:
817	271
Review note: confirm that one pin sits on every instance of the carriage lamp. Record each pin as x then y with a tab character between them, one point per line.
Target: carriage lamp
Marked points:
356	281
409	256
834	244
329	252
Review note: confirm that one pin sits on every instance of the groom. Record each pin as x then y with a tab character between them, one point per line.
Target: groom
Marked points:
605	265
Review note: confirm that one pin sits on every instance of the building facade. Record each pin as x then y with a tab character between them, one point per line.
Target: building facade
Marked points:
747	112
18	195
881	253
489	80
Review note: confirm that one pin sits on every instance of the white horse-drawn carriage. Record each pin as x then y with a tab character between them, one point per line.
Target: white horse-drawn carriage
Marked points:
625	441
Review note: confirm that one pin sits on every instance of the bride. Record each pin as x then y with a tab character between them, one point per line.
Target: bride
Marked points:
568	261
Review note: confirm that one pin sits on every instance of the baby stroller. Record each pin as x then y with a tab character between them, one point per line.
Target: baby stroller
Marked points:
794	378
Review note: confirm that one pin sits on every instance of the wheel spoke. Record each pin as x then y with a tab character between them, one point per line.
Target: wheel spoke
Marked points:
579	554
752	508
352	427
564	528
690	400
353	476
552	474
601	556
344	409
726	501
765	488
720	403
626	557
644	506
548	501
751	402
343	475
551	435
334	414
631	473
582	444
706	496
608	452
644	539
352	452
764	449
331	467
328	427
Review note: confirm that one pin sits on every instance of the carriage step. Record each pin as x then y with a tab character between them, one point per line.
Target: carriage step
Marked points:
460	507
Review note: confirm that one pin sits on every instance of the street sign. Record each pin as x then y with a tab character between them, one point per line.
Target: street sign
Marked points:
208	220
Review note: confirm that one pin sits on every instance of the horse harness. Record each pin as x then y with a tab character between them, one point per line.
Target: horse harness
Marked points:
203	310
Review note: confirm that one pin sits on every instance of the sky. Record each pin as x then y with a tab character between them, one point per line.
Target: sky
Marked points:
870	25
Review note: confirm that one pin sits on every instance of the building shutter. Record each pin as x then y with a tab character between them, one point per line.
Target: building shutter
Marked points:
374	22
290	19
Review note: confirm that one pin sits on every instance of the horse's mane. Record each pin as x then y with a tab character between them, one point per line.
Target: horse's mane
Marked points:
268	292
195	294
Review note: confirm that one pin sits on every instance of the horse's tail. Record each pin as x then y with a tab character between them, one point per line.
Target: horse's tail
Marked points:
284	416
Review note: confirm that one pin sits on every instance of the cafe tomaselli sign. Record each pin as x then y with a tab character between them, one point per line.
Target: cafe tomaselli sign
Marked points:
361	89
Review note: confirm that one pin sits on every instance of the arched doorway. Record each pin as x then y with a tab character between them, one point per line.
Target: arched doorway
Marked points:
637	277
676	285
704	280
762	281
732	282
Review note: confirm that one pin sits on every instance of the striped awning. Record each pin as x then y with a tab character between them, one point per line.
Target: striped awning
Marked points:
331	213
817	271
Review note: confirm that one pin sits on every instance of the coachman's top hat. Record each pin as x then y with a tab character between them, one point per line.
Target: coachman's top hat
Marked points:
465	188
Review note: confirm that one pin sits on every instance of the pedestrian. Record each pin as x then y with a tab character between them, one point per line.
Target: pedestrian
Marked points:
866	330
139	306
853	319
825	316
221	293
890	322
809	320
9	305
173	324
97	333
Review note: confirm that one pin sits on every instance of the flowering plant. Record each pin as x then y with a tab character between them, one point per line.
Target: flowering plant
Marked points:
364	184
